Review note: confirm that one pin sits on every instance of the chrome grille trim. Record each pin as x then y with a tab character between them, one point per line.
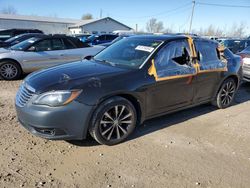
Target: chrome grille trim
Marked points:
23	95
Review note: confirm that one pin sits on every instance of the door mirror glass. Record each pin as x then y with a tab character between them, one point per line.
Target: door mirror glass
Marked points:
89	57
32	49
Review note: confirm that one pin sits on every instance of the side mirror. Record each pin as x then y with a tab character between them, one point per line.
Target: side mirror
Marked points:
89	57
32	49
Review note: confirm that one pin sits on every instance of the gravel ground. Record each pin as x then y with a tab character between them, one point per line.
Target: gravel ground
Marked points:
199	147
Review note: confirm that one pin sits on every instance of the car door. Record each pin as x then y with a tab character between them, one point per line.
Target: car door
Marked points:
101	39
173	70
71	52
40	55
110	38
210	69
60	52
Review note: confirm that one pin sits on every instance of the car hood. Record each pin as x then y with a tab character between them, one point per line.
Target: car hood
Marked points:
69	75
3	44
6	50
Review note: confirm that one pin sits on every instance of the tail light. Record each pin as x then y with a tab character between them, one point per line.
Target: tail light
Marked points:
242	56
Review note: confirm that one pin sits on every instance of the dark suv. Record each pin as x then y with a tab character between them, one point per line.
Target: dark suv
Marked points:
236	45
6	34
135	79
17	39
100	39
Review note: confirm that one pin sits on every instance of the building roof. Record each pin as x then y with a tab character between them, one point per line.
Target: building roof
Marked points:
38	18
75	22
86	22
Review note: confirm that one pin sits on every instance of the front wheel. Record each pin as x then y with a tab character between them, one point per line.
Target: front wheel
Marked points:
10	70
226	94
113	121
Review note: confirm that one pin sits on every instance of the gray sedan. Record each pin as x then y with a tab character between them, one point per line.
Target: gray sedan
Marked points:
42	52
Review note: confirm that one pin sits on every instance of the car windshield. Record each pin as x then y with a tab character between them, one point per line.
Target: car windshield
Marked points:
128	52
24	44
12	39
92	37
119	38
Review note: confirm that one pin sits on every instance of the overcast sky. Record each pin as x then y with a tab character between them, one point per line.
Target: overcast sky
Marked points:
173	13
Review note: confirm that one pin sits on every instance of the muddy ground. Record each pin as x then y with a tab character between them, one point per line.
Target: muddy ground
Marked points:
199	147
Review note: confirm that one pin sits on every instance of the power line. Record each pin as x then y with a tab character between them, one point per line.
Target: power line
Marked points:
157	14
224	5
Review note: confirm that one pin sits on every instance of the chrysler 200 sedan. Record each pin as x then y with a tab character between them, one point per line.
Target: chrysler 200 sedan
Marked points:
40	52
135	79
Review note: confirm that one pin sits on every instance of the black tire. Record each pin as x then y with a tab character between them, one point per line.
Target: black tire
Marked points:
226	94
113	121
10	70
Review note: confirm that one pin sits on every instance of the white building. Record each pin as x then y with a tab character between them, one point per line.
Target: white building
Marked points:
46	24
53	25
98	26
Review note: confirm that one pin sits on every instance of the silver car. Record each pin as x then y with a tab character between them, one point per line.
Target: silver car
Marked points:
42	52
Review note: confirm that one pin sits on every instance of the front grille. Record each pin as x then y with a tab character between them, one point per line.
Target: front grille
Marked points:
246	67
23	95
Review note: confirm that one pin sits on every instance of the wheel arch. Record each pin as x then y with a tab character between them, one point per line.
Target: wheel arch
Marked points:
233	76
131	98
13	60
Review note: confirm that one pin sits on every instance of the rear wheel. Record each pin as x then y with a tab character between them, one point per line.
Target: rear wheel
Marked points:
10	70
113	121
226	94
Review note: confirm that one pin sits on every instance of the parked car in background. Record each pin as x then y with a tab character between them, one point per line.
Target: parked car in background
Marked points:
17	39
135	79
245	55
6	34
236	45
115	40
42	52
82	37
100	39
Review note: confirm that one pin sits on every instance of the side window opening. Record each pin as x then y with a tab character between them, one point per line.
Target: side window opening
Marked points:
221	54
68	44
174	60
57	44
44	45
210	58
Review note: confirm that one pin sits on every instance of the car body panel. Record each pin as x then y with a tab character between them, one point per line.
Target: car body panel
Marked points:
31	60
100	81
245	55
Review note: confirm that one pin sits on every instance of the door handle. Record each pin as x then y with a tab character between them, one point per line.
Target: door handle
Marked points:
61	54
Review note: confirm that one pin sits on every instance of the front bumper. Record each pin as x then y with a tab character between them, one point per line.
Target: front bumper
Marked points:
246	72
56	123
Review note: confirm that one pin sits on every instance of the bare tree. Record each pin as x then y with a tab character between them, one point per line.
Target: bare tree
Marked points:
237	30
8	10
168	30
87	16
211	30
154	26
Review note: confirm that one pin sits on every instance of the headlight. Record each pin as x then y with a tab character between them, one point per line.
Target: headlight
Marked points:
57	98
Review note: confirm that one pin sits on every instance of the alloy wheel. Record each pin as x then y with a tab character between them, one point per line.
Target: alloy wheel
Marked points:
116	122
227	93
8	71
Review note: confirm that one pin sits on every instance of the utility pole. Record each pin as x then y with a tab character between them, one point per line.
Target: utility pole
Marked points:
101	13
191	21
